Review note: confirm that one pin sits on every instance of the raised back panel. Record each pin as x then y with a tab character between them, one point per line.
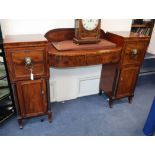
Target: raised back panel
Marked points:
62	34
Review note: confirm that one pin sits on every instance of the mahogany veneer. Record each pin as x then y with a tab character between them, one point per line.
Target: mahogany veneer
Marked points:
123	77
120	66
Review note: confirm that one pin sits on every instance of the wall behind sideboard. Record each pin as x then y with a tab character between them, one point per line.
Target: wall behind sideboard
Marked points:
69	83
17	26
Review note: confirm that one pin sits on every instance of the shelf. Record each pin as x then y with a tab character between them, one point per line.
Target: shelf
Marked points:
2	72
6	102
4	93
141	25
3	83
3	76
144	27
5	113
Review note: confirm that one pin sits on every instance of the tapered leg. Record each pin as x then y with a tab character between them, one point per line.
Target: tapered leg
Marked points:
50	117
20	122
42	120
110	103
130	99
49	104
100	91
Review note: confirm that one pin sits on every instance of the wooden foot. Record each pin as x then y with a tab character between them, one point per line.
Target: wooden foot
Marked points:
42	120
20	122
100	92
130	99
110	103
50	117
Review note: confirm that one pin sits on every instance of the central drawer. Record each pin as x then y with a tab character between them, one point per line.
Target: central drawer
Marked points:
18	67
103	58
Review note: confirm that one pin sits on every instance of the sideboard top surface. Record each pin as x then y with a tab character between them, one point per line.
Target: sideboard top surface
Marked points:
28	38
24	40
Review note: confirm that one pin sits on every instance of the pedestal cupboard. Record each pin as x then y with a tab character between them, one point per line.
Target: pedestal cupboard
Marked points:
118	81
28	67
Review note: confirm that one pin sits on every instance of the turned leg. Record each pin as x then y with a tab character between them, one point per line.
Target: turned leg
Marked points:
110	103
49	104
100	91
50	117
20	122
130	99
42	120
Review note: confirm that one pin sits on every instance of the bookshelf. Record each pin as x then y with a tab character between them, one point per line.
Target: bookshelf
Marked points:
142	27
6	102
6	106
145	27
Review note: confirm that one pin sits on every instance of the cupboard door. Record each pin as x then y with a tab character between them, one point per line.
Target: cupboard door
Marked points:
127	81
32	97
107	79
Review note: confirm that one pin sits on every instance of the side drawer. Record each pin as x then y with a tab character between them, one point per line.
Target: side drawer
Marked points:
17	66
134	52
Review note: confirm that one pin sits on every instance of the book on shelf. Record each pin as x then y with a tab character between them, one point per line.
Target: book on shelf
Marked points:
143	26
143	31
138	30
148	31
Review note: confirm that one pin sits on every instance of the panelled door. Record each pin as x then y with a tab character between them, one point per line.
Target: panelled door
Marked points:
32	97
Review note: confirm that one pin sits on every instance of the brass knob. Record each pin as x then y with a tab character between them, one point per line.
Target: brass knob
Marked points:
28	61
42	92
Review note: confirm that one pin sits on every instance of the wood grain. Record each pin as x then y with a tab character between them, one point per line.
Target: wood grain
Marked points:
120	67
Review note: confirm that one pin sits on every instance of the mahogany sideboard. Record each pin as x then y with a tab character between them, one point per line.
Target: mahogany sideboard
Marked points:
29	58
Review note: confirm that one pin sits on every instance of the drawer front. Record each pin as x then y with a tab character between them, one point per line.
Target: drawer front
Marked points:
103	58
67	61
84	60
18	67
134	52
